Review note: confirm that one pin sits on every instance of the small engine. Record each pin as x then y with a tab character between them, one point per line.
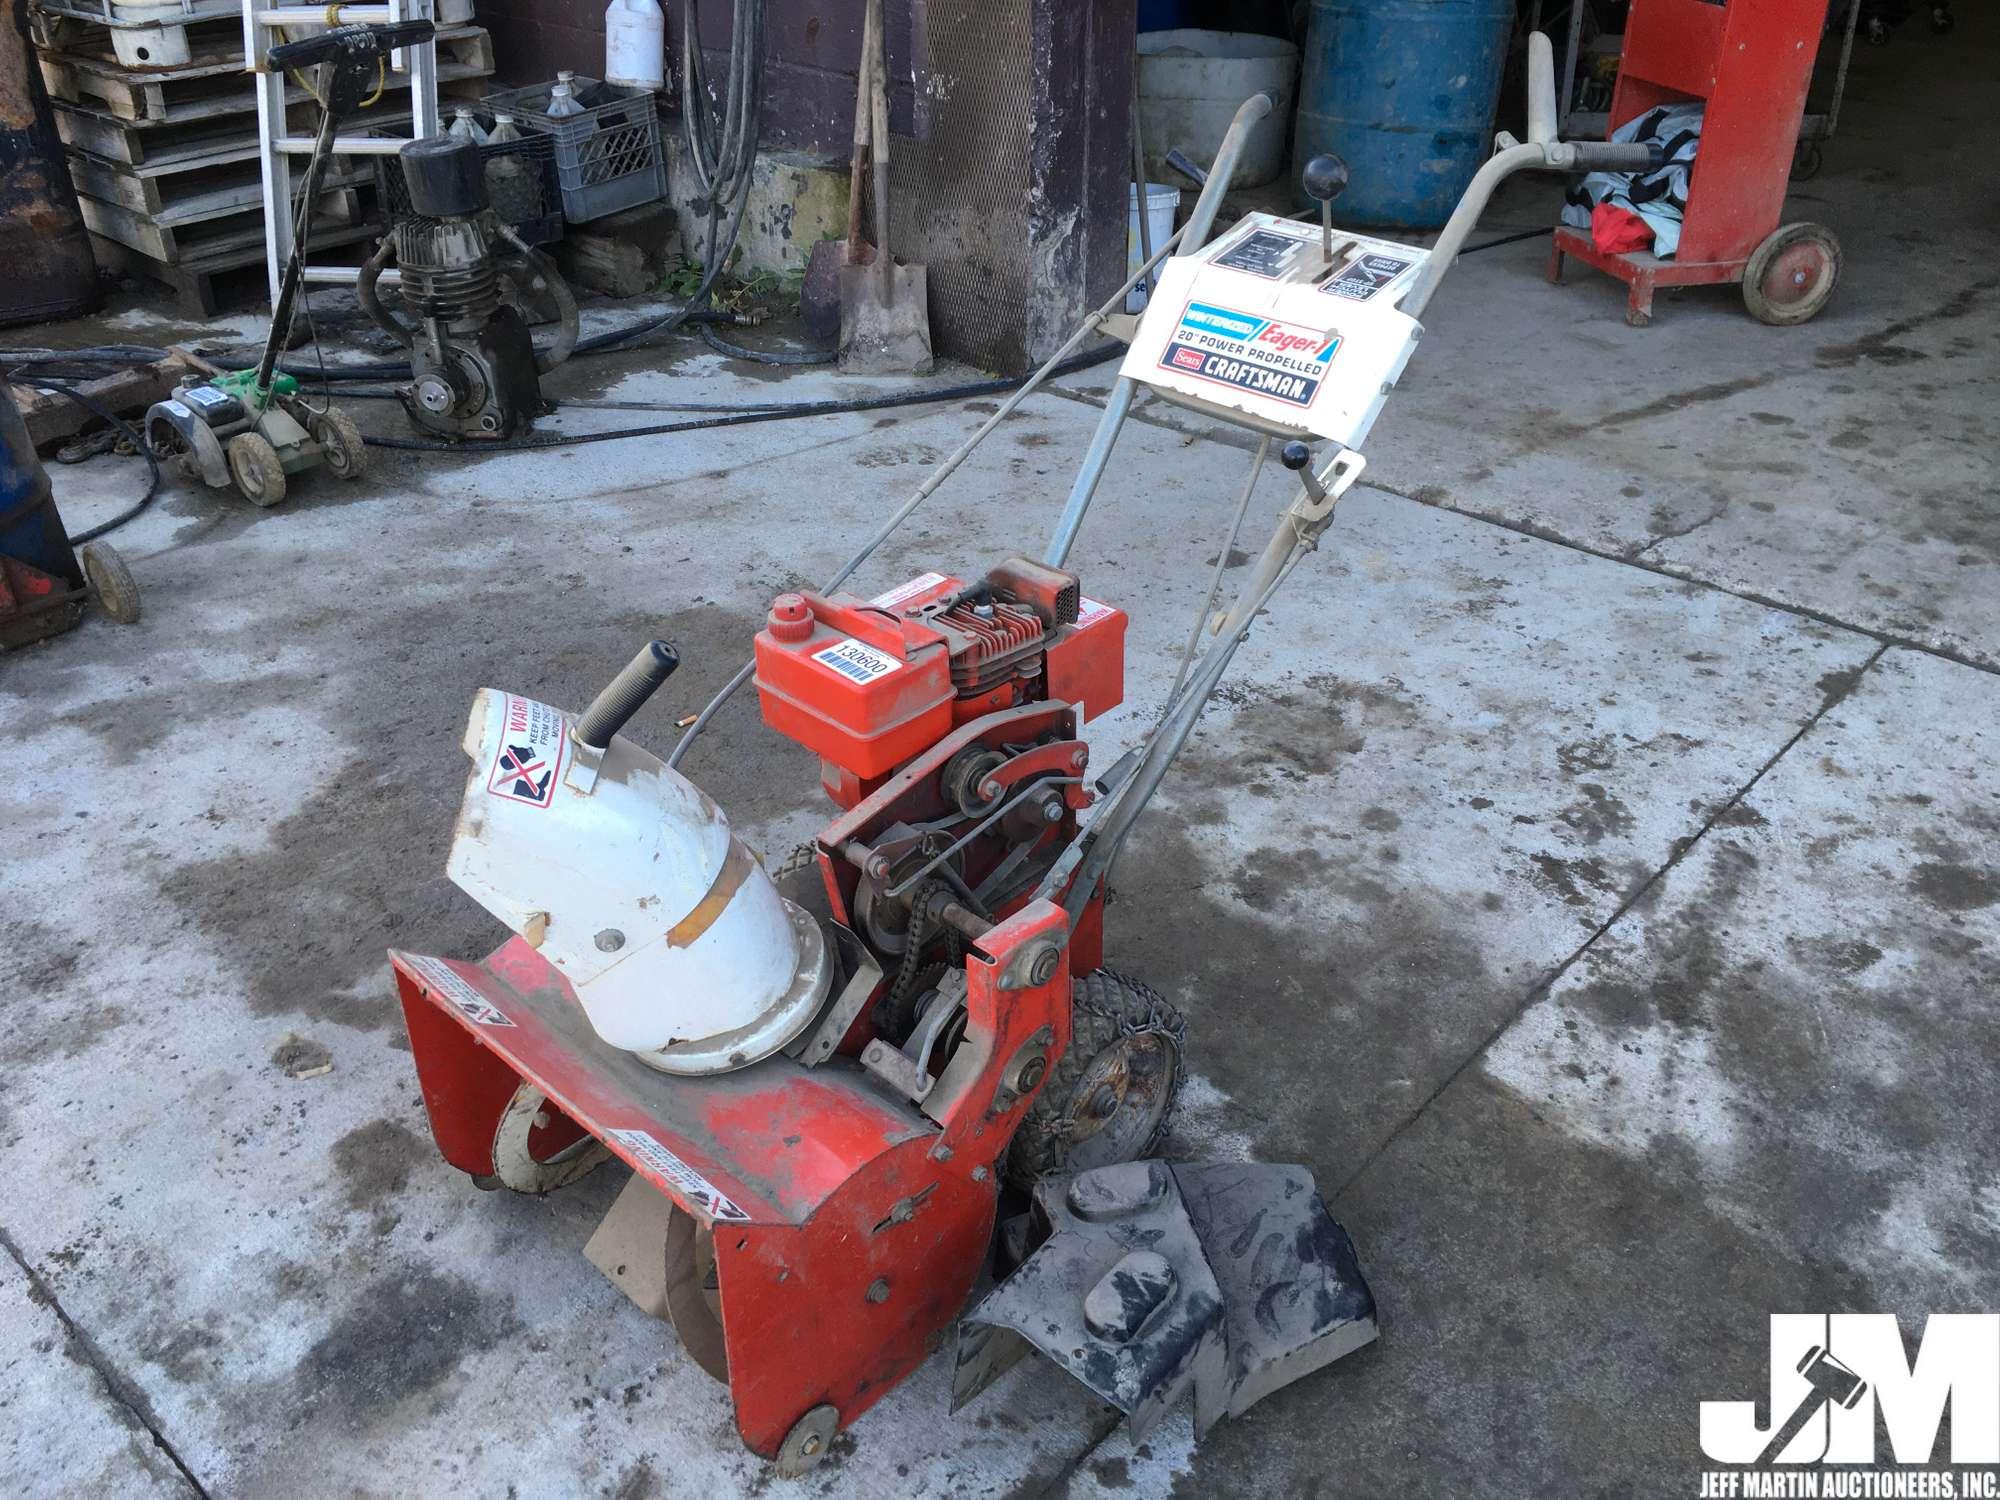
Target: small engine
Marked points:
868	684
475	371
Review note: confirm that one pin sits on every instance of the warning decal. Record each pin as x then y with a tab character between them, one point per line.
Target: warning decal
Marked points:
1089	610
1262	252
692	1185
1365	275
443	980
923	583
1285	361
531	752
856	662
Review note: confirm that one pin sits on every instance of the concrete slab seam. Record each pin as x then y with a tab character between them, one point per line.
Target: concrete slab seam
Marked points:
1681	849
82	1348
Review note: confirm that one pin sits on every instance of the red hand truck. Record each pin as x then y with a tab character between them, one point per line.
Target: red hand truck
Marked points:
1751	61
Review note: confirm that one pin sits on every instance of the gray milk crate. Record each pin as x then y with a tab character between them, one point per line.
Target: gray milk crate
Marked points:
608	157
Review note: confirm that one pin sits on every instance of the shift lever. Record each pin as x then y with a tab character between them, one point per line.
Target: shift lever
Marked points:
1323	179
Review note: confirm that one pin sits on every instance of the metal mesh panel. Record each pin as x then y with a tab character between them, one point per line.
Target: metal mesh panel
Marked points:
960	197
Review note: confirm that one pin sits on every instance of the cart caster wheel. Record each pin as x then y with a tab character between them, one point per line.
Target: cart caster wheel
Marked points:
1806	161
339	443
254	465
537	1148
1109	1096
112	582
1791	275
694	1294
807	1443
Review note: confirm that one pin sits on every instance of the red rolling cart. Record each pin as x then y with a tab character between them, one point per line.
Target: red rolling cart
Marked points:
1750	60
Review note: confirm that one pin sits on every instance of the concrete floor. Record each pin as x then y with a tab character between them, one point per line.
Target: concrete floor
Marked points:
1590	872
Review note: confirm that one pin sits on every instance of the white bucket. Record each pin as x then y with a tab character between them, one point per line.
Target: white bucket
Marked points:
1162	203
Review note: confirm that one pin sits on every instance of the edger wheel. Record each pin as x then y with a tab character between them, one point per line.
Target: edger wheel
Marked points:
537	1148
339	443
1109	1098
254	465
694	1295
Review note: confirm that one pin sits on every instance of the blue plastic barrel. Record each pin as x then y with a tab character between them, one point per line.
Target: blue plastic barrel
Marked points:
1403	92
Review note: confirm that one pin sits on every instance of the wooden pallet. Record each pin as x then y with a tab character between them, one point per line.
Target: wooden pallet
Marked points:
217	84
226	271
135	143
190	239
194	191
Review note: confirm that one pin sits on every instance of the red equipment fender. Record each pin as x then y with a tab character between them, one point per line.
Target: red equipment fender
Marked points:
849	1228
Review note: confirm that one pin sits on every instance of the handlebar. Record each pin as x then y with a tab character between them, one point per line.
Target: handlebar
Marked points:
350	44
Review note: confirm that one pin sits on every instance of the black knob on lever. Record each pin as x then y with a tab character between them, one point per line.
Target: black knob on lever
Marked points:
1324	178
1297	457
625	694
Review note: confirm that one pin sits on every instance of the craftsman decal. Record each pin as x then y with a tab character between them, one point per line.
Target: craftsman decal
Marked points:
1365	275
531	752
856	662
696	1188
1285	361
1262	252
443	981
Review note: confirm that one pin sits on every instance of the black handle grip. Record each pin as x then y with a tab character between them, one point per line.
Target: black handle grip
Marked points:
1295	455
1620	156
350	44
626	694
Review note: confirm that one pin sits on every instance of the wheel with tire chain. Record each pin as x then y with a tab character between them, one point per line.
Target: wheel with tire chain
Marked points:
254	465
1112	1093
339	443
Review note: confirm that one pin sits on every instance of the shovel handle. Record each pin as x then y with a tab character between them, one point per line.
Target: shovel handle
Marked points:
863	93
879	137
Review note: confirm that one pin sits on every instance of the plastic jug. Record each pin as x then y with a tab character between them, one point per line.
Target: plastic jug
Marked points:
635	44
562	98
465	128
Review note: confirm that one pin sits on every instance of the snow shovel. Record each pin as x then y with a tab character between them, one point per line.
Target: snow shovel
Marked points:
819	296
884	318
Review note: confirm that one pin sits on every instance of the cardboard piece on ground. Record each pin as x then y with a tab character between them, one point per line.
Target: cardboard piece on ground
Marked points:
629	1246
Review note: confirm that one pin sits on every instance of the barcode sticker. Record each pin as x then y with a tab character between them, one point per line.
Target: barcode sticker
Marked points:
856	662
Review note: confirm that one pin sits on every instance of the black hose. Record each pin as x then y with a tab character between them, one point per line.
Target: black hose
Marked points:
1505	239
722	345
125	429
918	397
